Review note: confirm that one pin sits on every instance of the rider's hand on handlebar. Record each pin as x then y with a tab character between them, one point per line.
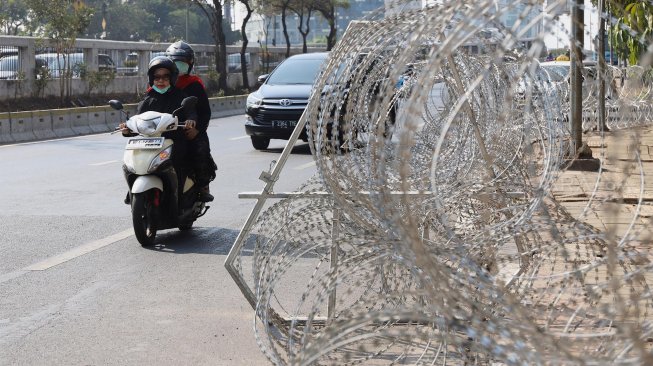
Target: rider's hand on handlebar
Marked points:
123	128
190	124
190	130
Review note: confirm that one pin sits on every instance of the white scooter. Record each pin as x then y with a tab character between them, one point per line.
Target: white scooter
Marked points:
152	178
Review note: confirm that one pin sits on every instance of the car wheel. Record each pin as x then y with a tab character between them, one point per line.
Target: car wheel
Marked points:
260	143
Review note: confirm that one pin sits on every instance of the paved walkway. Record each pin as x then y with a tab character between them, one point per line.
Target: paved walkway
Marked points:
608	200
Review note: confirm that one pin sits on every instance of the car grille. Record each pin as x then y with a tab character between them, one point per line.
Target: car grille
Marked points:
271	110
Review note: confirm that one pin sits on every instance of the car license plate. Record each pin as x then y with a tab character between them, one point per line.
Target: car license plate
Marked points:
145	143
284	124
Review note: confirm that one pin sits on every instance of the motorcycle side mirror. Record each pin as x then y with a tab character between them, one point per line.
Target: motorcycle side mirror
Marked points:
116	104
189	102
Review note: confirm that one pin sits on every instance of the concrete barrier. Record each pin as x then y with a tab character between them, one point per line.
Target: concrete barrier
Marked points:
5	129
61	125
57	123
42	125
227	106
113	118
97	119
21	126
79	121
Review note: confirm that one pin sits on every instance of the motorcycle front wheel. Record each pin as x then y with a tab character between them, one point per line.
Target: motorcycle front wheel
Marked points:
143	218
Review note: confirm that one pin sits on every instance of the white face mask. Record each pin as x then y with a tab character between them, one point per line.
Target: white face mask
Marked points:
182	66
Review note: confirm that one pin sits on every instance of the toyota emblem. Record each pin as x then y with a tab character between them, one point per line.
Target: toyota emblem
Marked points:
285	102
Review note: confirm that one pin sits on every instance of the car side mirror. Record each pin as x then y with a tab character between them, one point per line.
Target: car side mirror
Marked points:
261	79
116	104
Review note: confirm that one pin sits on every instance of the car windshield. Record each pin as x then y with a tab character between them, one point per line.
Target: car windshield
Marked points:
296	71
8	64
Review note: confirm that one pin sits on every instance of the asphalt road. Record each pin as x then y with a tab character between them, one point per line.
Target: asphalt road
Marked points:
76	288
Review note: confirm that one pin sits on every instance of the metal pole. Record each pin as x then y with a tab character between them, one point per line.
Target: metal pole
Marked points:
335	230
576	92
600	68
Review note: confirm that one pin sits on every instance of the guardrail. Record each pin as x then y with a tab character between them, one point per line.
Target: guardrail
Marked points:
128	76
27	126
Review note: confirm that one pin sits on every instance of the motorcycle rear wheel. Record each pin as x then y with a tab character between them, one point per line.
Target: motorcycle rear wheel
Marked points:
143	218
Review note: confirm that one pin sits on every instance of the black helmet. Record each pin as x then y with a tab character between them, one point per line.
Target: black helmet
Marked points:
162	62
181	51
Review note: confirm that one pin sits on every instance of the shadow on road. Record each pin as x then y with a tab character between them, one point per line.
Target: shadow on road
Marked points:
301	149
201	240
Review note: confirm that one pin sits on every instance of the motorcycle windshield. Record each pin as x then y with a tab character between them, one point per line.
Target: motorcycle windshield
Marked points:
146	125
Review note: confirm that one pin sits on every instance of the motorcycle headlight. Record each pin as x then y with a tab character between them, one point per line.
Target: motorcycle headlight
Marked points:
147	126
253	101
162	157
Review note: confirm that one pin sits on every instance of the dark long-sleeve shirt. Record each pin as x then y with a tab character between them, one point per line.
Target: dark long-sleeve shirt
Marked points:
168	102
192	85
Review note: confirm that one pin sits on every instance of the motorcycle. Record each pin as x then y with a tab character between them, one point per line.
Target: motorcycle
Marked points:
156	203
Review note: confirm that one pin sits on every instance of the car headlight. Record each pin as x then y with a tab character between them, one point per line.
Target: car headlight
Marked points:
161	158
253	101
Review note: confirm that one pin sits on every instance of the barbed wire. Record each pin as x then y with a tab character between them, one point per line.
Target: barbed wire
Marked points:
435	231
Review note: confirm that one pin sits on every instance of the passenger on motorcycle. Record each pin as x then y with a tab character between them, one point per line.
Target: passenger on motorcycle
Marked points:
199	148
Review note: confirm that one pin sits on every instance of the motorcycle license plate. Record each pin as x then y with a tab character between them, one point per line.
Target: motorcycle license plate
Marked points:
145	143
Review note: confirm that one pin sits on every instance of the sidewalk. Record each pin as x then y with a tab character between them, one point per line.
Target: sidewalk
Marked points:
608	199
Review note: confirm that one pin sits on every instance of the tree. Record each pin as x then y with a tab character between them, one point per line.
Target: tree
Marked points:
303	9
13	16
328	10
62	21
243	47
632	31
213	11
278	7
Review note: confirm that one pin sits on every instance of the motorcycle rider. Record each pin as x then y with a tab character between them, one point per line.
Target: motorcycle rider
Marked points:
199	148
164	97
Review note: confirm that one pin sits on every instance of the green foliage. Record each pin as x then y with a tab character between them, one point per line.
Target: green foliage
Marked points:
13	16
96	80
212	81
43	76
60	20
631	34
149	20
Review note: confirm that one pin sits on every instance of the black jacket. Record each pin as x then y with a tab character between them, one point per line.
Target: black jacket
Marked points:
168	102
196	89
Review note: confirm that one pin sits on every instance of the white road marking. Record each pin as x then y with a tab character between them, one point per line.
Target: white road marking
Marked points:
239	138
304	166
53	140
79	251
104	163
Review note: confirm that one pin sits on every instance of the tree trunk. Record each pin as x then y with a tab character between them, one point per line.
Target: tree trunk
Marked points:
220	46
243	48
331	38
285	31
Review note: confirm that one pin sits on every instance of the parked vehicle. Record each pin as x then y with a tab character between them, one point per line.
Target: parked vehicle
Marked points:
152	178
233	62
9	67
105	63
58	64
275	108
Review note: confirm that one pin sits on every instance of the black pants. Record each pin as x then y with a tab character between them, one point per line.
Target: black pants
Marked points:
199	158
